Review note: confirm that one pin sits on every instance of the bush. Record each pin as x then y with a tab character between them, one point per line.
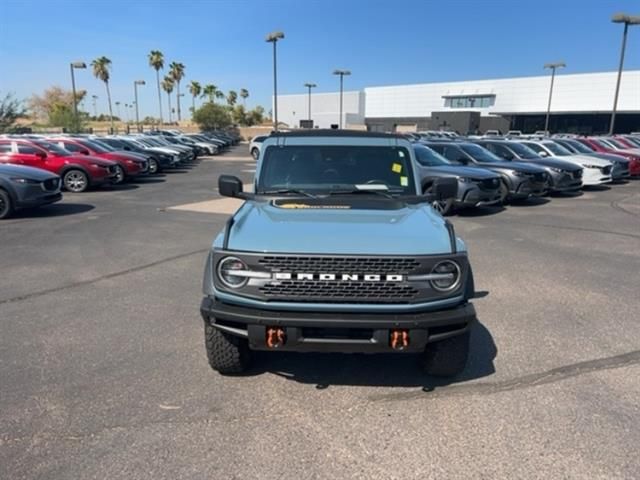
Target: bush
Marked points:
211	116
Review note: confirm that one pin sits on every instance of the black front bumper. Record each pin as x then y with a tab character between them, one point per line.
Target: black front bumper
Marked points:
338	331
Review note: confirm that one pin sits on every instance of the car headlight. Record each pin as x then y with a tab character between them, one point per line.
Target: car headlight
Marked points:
591	166
25	181
464	180
517	173
228	271
557	170
450	276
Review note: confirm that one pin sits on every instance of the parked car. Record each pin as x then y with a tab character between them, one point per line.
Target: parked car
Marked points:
476	187
78	172
26	187
621	165
256	144
519	180
187	154
128	166
158	159
609	145
564	177
337	251
595	170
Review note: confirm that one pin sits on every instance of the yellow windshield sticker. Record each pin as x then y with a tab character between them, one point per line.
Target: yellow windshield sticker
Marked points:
396	168
404	181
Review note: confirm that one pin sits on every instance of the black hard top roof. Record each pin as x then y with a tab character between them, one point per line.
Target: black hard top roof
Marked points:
326	132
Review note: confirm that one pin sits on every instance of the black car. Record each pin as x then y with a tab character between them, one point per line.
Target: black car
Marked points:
477	187
564	177
158	160
519	180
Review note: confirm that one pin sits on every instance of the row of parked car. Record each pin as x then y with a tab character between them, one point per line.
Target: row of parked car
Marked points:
34	169
493	170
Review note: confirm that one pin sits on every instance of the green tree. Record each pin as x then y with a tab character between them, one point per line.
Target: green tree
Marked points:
211	116
167	85
176	72
101	67
232	98
209	91
10	111
244	93
195	90
156	61
55	108
219	94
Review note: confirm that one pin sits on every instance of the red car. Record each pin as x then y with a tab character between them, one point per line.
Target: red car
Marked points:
78	172
128	166
608	145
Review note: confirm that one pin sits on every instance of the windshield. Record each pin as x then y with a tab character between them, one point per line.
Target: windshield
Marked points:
480	154
616	143
522	151
557	150
96	147
53	148
330	168
578	146
601	143
429	158
103	145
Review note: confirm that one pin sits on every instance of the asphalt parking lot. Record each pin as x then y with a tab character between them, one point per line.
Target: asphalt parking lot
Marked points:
103	372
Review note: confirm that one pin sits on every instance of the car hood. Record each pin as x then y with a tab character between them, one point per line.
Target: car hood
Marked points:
135	155
123	156
20	171
340	226
586	160
519	166
459	171
555	162
611	157
103	162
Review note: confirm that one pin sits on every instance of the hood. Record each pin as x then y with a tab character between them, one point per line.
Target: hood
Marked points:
21	171
586	160
460	171
519	166
136	155
556	162
611	157
103	162
123	156
340	226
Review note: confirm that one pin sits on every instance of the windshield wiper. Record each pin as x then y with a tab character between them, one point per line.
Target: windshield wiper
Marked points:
356	191
285	191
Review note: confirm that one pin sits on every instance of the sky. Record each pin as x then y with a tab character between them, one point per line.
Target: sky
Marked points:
382	42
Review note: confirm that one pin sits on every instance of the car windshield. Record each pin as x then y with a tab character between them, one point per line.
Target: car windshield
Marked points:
96	147
333	168
578	146
153	142
522	151
602	144
53	148
429	158
616	143
104	145
480	154
557	150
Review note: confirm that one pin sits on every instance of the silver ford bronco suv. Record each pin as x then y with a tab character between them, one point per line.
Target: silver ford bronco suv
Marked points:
337	250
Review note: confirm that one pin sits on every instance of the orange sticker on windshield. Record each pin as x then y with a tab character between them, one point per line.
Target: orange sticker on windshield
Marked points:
396	168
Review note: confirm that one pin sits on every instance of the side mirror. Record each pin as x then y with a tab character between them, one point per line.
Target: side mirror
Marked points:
41	155
445	188
84	152
463	160
542	153
229	186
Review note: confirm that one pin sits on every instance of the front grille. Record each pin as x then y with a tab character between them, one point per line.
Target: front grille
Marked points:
359	265
51	185
577	174
345	292
606	170
539	177
488	183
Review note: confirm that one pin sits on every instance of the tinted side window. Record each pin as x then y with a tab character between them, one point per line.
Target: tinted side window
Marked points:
500	150
5	148
535	147
27	149
453	153
72	147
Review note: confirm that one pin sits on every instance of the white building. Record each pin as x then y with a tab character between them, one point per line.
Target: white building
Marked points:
581	102
325	109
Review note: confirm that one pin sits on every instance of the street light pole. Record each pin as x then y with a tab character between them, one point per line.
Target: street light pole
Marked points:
135	90
553	67
95	108
627	20
273	38
341	73
72	66
310	86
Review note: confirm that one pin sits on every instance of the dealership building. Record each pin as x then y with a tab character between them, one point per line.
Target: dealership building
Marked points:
581	103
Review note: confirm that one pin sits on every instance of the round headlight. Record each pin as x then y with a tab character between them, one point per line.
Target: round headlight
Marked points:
226	268
451	276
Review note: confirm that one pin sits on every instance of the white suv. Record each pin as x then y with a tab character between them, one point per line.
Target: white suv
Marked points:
256	145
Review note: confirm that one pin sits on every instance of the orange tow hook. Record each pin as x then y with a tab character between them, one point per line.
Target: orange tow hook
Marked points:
275	337
399	339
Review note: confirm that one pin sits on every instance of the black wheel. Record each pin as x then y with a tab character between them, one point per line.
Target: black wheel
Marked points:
443	207
153	166
255	153
119	176
447	357
6	207
75	181
227	354
504	192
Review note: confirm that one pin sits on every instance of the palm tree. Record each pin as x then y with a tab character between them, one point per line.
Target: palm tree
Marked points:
232	98
167	86
101	67
209	91
244	93
219	94
156	61
176	72
195	90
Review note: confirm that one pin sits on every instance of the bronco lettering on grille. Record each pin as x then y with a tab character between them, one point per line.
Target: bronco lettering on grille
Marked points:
344	277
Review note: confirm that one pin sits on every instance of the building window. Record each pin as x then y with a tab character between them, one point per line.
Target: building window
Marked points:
470	101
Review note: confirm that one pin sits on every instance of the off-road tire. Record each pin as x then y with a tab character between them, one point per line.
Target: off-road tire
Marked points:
6	207
448	357
227	354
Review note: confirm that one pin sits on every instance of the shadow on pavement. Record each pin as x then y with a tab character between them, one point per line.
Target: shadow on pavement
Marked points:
480	211
117	188
54	210
381	370
530	202
595	188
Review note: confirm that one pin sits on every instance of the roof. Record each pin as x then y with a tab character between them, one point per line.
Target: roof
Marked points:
335	133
